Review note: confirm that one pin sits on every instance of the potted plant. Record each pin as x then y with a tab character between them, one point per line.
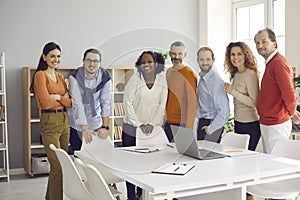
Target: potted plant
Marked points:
229	126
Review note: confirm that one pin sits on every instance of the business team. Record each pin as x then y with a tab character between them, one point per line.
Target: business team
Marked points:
158	98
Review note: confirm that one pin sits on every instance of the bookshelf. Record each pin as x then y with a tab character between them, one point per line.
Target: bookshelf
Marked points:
32	144
4	166
120	77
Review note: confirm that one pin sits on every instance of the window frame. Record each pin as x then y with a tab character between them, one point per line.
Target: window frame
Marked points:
268	12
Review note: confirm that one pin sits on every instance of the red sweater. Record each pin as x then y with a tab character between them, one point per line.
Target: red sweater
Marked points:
277	101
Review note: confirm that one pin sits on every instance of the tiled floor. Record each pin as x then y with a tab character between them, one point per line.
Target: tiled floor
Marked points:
21	187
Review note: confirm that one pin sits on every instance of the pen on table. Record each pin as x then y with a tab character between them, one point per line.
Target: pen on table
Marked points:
235	150
141	149
184	164
170	146
176	169
153	150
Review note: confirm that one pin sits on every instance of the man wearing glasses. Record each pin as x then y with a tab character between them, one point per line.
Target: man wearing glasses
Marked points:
90	90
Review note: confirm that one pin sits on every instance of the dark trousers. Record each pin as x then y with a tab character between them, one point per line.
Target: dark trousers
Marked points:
75	141
201	134
129	139
251	128
168	130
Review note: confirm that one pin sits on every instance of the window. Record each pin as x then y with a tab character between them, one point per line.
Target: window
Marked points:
279	23
249	16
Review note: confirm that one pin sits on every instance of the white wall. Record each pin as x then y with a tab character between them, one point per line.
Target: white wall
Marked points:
120	29
292	43
216	20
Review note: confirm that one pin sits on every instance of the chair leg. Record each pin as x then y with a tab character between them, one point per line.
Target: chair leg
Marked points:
115	187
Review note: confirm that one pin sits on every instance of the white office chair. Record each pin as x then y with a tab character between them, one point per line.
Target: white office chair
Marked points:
287	189
73	186
236	140
157	137
100	143
96	182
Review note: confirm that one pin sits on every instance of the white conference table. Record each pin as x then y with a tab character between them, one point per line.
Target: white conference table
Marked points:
224	178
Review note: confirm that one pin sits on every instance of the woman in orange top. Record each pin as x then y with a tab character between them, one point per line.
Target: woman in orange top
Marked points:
52	98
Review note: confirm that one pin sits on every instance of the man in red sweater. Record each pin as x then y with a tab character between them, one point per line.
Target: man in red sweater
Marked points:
277	101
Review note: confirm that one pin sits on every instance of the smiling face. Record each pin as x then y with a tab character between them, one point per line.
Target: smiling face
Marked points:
264	45
52	58
237	58
91	64
147	64
177	54
205	60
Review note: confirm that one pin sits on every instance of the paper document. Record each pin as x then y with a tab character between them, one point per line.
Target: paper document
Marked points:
239	152
174	168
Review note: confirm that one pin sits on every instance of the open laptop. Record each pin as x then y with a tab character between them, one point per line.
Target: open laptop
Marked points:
186	144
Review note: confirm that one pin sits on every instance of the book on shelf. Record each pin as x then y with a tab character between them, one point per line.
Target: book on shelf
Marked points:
2	112
118	109
118	132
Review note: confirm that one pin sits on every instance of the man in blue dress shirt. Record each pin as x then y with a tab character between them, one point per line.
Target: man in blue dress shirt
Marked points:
90	91
212	103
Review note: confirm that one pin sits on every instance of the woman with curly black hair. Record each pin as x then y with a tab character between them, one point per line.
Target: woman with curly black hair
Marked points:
144	103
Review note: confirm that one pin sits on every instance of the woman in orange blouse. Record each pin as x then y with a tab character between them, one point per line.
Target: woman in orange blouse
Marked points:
52	98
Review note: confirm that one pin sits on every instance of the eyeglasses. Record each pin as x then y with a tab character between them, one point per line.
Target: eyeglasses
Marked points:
90	61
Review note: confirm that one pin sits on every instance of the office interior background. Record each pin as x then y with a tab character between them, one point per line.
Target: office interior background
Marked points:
121	30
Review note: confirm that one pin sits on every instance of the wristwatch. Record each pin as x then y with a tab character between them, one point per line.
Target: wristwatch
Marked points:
105	127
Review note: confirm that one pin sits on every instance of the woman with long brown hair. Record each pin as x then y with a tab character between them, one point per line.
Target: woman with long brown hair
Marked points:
242	67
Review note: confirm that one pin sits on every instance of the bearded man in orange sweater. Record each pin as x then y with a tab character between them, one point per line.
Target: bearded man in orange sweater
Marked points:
182	84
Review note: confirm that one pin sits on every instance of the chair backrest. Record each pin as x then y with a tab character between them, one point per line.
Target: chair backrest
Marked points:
98	187
96	144
73	185
157	137
287	148
236	140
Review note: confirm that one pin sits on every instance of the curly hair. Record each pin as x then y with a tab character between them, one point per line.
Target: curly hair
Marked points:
157	57
250	60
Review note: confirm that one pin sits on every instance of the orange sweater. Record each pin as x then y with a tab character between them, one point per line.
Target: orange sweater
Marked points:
44	86
181	102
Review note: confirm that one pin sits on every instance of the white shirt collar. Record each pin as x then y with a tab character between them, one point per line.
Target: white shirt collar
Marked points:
271	56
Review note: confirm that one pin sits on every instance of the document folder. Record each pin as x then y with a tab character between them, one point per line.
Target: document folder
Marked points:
174	169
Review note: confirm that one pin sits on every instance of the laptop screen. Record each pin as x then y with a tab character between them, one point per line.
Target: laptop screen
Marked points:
186	144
